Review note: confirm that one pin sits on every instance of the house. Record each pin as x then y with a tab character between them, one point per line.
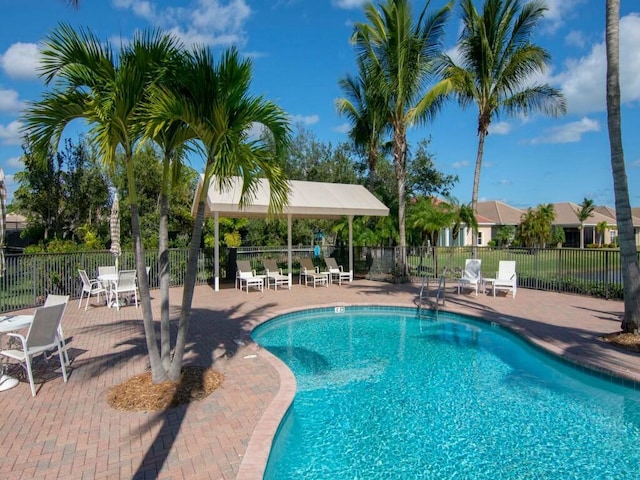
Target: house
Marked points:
567	218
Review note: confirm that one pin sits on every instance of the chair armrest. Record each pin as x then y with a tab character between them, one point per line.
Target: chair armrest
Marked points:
22	338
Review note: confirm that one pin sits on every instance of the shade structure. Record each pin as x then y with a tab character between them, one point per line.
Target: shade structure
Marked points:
3	219
115	229
306	200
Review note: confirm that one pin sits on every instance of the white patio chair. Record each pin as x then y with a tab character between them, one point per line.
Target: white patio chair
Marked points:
57	300
311	273
336	271
108	270
247	277
126	284
275	275
471	276
90	287
506	278
42	336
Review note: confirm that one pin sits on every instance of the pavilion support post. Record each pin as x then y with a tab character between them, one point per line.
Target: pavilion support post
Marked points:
216	253
351	245
289	259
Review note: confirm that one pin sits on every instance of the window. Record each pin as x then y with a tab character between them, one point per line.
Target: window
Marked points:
612	235
479	238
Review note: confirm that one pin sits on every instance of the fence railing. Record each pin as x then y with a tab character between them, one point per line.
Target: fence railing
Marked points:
596	272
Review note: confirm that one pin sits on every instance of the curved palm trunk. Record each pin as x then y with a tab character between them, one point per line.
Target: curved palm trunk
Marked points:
399	160
628	252
163	266
482	134
158	374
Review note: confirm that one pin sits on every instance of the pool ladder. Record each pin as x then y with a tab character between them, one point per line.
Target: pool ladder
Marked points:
439	294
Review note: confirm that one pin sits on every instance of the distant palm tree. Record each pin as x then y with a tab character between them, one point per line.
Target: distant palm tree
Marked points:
601	227
626	235
497	63
400	53
583	213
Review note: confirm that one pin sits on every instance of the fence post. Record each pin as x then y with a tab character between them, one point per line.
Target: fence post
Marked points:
607	274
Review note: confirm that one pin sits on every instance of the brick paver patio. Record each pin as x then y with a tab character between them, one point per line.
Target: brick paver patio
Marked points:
68	430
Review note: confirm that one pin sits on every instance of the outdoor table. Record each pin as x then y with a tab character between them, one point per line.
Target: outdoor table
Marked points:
110	279
9	324
489	283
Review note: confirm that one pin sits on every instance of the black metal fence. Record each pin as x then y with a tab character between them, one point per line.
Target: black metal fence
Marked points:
596	272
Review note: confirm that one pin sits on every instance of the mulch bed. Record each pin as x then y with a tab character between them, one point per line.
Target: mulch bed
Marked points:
628	341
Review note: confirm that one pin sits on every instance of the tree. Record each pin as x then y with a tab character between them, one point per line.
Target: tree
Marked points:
583	213
628	252
601	227
497	63
535	228
213	100
399	54
423	178
428	217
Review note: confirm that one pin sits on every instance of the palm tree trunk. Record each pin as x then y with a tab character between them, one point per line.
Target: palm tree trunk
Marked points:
482	134
399	160
628	250
163	265
158	374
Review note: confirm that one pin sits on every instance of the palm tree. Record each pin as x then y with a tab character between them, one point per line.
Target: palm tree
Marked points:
428	218
583	213
497	62
399	54
628	253
91	84
214	101
601	227
364	107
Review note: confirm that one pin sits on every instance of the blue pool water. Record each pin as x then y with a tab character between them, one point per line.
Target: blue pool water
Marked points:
383	394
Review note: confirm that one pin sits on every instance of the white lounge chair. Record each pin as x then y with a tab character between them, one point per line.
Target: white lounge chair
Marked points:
246	277
336	271
275	275
506	278
471	276
311	273
42	336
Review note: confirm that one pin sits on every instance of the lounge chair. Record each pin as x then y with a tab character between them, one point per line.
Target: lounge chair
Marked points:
275	275
311	273
471	276
506	278
336	271
246	277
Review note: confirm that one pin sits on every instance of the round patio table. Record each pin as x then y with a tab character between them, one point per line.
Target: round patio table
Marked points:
10	324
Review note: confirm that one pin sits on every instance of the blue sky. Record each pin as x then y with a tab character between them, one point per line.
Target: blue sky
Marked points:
300	49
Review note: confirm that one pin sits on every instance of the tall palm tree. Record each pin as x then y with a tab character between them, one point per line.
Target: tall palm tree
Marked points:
108	94
497	62
583	213
364	107
601	227
399	53
214	101
628	253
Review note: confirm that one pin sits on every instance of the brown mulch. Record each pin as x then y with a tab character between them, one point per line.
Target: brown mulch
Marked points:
139	394
628	341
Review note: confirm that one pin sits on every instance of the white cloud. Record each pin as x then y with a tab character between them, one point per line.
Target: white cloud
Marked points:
349	4
635	163
208	22
557	13
499	128
569	133
575	38
344	128
504	182
15	162
461	164
304	119
9	101
583	80
21	61
12	133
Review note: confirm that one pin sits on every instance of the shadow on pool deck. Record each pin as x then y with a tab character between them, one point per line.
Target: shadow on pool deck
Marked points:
68	430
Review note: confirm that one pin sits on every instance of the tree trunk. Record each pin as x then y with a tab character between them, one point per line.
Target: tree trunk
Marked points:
399	161
163	266
628	251
482	134
158	374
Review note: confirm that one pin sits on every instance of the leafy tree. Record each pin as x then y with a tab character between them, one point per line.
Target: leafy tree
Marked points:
583	213
428	217
535	229
423	179
628	253
497	63
399	53
557	235
505	235
601	227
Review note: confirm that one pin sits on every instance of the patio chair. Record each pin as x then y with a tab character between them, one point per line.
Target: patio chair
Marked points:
58	300
126	284
311	273
336	271
471	276
506	278
108	270
246	277
275	275
90	287
42	336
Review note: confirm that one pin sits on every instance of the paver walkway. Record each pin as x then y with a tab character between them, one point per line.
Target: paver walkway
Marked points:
68	430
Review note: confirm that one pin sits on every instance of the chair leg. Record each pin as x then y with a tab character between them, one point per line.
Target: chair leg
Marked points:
62	365
63	345
30	375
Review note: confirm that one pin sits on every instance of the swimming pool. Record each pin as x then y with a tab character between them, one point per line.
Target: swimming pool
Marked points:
382	393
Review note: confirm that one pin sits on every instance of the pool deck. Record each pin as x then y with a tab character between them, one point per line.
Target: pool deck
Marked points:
68	430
